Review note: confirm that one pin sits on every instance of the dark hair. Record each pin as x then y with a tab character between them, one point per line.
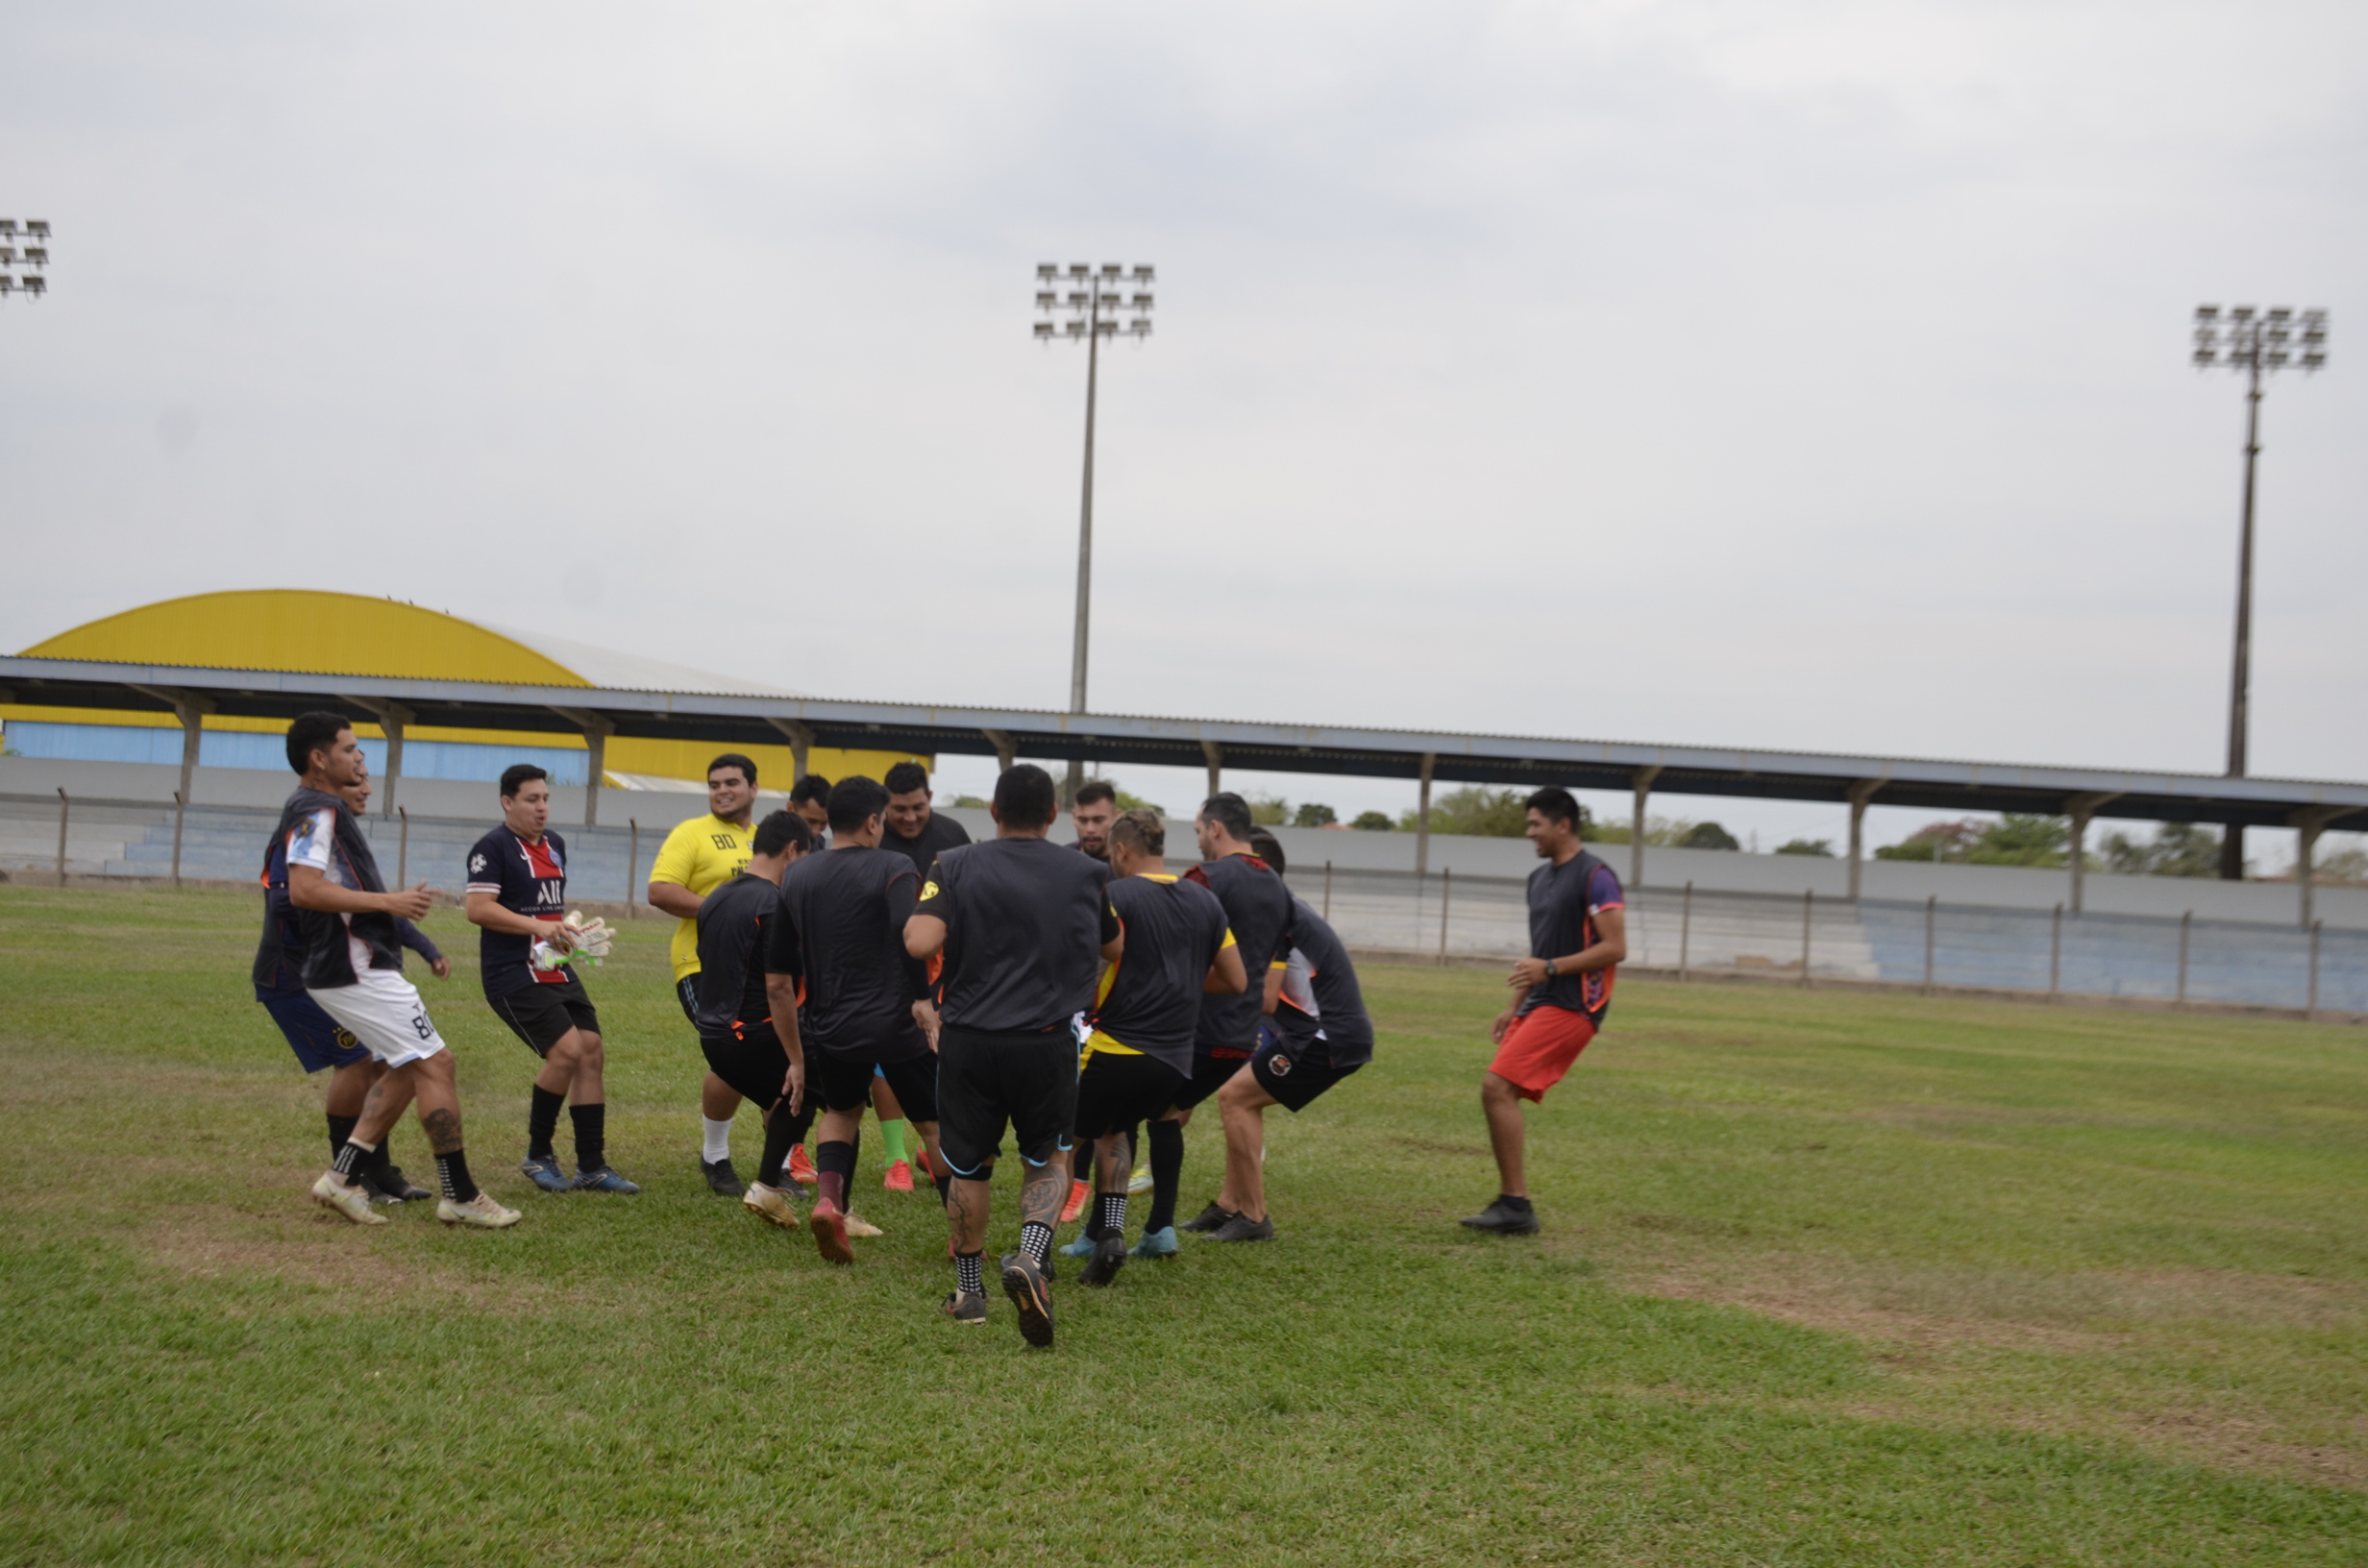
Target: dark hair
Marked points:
812	787
312	732
1267	848
1024	797
1142	829
1555	804
780	830
733	759
853	802
1096	789
516	777
906	777
1230	812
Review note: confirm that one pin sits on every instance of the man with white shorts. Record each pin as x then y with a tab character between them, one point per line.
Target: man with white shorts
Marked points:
352	964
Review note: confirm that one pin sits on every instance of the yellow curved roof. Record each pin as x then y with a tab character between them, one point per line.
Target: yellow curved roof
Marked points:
308	631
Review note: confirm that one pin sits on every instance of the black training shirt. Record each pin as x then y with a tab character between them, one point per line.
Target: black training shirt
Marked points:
842	928
1025	920
1564	901
735	927
1321	1003
939	834
528	880
1258	908
1174	931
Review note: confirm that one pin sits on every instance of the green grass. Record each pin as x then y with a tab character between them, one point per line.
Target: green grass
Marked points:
1826	1280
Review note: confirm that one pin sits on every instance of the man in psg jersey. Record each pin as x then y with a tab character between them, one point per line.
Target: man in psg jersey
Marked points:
517	895
1024	926
1578	931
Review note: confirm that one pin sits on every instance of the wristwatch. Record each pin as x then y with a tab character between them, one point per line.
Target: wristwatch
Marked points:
1549	968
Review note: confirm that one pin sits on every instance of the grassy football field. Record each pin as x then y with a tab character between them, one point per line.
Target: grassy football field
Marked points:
1826	1280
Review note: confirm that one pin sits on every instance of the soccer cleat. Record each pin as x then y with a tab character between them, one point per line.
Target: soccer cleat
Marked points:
801	1168
1031	1292
722	1180
1503	1219
543	1170
353	1202
769	1204
1211	1218
602	1179
965	1307
367	1181
1159	1243
480	1212
1109	1256
1078	1193
861	1228
1081	1247
1139	1182
398	1188
830	1227
1243	1228
921	1162
899	1178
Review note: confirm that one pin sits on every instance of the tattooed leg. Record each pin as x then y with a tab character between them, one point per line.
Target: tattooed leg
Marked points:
965	1213
1043	1192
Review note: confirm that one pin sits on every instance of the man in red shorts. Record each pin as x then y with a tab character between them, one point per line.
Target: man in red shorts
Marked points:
1578	931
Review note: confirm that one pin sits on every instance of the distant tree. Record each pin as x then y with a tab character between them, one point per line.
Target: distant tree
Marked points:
1270	810
1708	836
1136	803
2017	838
2343	866
1808	847
1372	822
969	800
2176	849
1477	810
1936	842
1314	814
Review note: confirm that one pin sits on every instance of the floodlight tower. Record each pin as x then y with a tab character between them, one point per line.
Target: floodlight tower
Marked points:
2254	342
32	256
1095	298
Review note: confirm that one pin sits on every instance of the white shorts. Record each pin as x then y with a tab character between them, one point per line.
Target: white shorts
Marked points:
382	1010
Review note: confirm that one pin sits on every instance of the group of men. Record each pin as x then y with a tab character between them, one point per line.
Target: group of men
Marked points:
856	949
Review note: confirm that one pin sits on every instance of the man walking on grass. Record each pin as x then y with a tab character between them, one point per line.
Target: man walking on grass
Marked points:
700	856
1578	932
1023	928
353	968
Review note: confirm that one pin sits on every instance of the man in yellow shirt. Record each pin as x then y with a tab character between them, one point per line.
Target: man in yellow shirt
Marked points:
700	856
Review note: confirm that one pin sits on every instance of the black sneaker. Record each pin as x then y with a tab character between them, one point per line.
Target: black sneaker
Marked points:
1504	1219
1208	1219
1025	1283
722	1180
1243	1228
379	1196
398	1188
1109	1256
965	1307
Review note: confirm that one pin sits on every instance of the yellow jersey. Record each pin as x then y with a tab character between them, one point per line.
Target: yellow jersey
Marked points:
700	855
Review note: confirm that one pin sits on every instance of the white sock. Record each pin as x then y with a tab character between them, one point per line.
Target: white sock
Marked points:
717	1144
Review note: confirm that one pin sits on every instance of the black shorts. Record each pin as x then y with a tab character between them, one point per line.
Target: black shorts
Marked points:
1295	1084
1210	1073
984	1081
750	1060
844	1083
542	1013
1116	1090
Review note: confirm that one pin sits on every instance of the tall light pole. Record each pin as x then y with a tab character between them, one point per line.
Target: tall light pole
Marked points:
31	255
2254	342
1095	298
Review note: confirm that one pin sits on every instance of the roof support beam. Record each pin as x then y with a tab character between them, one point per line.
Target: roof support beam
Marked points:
800	743
1643	783
1859	794
1423	816
1215	755
1006	751
190	709
391	717
596	732
2081	808
2308	823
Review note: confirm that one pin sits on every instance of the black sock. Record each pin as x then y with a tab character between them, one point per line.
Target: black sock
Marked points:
452	1174
1036	1240
1520	1206
352	1159
1167	1174
340	1128
783	1134
543	1122
834	1169
968	1273
1113	1214
1081	1163
591	1135
944	1189
384	1160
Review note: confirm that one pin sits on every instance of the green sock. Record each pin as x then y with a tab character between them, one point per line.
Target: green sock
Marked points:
892	1133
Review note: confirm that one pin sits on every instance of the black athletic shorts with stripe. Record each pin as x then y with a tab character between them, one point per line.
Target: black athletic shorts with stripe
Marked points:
844	1083
986	1081
541	1013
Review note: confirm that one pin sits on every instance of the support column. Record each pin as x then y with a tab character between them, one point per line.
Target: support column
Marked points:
191	710
2081	808
1216	755
596	732
1643	783
801	744
391	717
1423	817
2308	824
1006	751
1858	795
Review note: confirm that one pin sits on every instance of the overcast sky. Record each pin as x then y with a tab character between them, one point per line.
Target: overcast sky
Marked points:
1773	375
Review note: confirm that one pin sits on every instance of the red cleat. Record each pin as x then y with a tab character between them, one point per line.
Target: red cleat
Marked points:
801	1168
1079	1193
830	1228
899	1178
921	1162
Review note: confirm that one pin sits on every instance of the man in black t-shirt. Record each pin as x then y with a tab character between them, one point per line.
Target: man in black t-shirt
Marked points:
517	895
750	1043
1090	814
912	828
1024	926
866	1010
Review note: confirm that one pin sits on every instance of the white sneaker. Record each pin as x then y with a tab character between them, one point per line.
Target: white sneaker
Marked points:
353	1202
1139	1182
479	1210
770	1204
861	1227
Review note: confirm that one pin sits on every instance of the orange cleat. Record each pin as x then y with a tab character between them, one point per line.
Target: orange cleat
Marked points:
1079	1193
920	1161
830	1227
801	1168
899	1178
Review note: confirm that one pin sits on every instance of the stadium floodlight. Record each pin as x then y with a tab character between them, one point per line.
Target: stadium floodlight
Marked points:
31	260
2252	342
1097	302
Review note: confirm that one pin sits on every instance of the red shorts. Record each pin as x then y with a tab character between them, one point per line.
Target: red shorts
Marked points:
1540	1047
